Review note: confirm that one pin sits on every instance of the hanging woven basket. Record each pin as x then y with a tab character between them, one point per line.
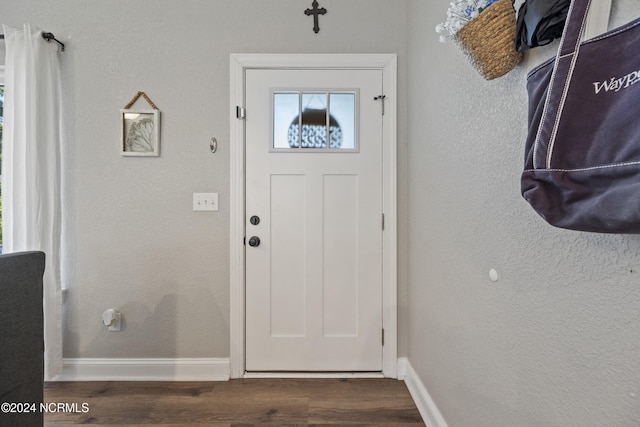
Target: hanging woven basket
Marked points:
488	40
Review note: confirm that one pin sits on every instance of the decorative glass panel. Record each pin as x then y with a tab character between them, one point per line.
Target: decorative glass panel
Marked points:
309	119
342	107
286	107
314	121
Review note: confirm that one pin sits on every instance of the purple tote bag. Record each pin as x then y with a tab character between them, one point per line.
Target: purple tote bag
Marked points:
582	155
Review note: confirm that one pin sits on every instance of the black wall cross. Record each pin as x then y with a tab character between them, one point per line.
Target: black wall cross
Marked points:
315	12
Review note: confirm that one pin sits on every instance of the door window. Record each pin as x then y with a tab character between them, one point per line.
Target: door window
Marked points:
315	121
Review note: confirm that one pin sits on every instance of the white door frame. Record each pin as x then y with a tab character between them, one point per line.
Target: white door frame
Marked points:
238	64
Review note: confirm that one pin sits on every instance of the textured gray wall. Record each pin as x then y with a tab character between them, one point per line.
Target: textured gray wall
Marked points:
556	340
131	239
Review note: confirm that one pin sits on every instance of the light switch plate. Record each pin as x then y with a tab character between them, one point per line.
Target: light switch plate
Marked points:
205	201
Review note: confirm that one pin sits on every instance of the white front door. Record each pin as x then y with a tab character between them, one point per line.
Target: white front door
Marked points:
313	220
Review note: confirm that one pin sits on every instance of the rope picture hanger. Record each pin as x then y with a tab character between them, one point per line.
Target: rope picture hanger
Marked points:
135	98
140	134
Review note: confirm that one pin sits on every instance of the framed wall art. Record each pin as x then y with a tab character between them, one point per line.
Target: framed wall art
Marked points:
140	135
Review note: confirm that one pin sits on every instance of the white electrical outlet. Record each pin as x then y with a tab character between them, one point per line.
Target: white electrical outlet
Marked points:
205	201
112	318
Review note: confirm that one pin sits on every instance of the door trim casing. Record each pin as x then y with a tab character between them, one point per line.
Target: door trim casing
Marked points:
239	63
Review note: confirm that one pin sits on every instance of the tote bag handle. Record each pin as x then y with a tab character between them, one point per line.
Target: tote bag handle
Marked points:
560	81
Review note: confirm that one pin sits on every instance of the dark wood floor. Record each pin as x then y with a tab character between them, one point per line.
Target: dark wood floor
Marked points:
236	403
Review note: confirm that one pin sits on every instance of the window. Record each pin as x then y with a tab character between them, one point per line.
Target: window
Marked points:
308	119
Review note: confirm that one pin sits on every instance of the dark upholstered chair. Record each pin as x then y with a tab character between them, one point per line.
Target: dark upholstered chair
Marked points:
21	335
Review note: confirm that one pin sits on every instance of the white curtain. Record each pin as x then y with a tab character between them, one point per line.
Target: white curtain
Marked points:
31	168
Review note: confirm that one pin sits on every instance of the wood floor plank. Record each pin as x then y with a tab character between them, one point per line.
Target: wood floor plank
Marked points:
56	423
236	403
363	410
247	410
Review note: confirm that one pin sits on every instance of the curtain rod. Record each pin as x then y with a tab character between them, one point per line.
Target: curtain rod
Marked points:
48	37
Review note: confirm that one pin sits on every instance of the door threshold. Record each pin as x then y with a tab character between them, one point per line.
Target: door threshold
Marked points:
313	375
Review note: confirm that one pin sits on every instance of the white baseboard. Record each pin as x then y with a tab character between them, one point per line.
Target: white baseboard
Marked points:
427	407
182	369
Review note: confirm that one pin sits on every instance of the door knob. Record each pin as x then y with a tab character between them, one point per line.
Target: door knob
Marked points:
254	241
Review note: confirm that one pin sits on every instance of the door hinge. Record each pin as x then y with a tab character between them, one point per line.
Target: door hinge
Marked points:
383	336
240	112
382	222
380	98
